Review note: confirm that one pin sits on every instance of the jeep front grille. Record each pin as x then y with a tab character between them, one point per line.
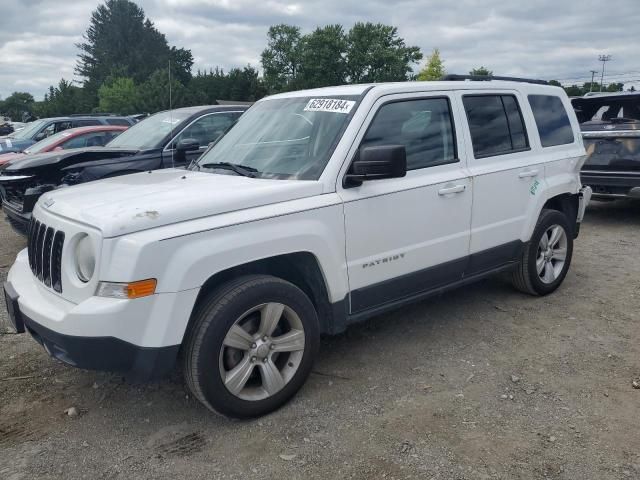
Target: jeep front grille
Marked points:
45	254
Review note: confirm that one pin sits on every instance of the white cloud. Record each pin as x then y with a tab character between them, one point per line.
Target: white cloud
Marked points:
541	38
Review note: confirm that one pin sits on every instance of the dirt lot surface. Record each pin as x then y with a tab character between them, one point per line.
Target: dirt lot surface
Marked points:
480	383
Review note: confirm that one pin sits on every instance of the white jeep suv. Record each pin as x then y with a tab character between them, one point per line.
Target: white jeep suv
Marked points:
320	208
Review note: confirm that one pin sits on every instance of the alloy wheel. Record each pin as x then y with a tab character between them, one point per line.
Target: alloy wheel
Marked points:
262	351
552	253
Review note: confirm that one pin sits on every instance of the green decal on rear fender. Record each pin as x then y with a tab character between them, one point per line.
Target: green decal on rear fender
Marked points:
534	187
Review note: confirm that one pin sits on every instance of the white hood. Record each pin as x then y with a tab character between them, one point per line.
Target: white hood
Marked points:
131	203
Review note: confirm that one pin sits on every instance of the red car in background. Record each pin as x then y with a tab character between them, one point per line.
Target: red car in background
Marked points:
93	136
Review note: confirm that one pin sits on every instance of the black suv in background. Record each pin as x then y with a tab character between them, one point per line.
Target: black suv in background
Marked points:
40	129
164	140
610	125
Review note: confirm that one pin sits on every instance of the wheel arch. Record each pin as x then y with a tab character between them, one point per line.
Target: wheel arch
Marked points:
565	202
302	269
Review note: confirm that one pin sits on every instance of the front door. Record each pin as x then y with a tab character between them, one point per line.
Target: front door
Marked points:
409	235
205	130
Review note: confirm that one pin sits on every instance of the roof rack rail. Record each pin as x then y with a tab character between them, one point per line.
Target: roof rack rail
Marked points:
94	115
486	78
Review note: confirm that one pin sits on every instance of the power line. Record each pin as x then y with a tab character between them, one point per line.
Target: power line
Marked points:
607	75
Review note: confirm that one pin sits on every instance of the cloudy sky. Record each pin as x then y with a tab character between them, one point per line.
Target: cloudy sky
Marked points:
540	38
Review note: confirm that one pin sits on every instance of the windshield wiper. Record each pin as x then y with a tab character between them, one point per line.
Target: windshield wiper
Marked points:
243	170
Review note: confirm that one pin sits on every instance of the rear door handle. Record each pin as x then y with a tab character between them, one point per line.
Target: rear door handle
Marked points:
451	189
528	173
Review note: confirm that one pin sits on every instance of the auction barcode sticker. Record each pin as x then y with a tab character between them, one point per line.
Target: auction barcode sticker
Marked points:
332	105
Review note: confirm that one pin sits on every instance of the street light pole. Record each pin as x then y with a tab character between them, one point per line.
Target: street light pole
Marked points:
593	72
604	59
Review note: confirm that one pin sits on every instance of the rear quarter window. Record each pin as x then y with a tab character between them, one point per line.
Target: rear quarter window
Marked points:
552	120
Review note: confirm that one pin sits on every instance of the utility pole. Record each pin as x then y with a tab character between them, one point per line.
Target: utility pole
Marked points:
593	72
604	59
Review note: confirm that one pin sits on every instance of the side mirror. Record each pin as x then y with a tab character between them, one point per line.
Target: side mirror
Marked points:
40	136
187	145
377	163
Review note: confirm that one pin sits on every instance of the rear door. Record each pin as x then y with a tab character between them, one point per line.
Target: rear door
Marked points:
408	235
506	174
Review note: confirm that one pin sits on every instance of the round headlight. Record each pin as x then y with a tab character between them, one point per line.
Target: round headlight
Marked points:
85	259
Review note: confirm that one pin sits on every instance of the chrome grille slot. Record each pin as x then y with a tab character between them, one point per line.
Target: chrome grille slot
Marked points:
45	254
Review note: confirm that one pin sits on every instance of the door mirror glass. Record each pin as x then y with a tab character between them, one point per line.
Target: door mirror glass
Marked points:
187	145
376	163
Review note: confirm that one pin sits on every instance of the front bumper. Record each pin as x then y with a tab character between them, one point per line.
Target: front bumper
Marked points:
135	337
612	184
19	221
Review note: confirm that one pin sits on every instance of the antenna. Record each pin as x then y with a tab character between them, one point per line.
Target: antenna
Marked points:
171	117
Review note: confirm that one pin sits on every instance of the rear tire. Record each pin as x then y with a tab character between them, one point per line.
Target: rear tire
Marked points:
252	346
546	259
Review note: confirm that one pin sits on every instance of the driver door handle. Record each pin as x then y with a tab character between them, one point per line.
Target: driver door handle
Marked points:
528	173
451	189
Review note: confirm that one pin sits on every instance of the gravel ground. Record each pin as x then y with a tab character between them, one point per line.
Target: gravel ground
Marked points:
480	383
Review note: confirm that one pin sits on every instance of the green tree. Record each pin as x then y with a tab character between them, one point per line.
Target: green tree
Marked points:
375	53
574	91
323	57
244	85
154	95
615	87
121	42
481	71
16	105
241	84
281	58
64	99
118	95
555	83
434	68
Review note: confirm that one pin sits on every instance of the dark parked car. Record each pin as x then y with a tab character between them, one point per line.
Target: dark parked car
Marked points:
164	140
40	129
610	126
5	128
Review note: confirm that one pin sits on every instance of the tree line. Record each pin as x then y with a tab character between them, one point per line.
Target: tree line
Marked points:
127	66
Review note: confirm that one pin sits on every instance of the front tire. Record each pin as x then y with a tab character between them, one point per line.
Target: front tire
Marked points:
546	259
252	346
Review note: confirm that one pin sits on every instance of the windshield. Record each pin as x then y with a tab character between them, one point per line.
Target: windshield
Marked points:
29	130
150	132
284	138
43	145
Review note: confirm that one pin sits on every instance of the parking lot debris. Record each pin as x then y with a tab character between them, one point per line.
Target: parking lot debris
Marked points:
71	412
636	383
287	457
515	378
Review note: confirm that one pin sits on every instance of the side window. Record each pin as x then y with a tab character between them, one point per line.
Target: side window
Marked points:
61	126
208	129
496	124
46	132
118	121
424	127
552	120
86	123
108	136
92	139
